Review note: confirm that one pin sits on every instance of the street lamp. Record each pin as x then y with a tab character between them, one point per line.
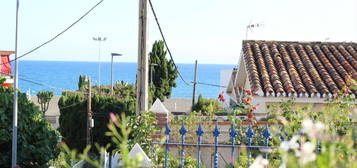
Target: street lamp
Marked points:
99	39
111	71
151	73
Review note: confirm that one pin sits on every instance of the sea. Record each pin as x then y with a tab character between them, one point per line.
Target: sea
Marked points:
57	76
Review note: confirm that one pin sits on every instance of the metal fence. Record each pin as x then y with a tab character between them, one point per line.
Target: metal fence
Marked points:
216	133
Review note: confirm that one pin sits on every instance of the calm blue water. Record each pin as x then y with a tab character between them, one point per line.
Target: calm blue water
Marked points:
65	75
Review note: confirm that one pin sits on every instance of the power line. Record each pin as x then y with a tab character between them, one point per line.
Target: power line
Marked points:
208	84
74	104
59	34
41	84
168	49
48	86
45	85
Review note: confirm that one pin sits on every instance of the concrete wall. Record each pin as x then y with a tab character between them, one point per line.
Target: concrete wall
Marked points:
225	76
262	102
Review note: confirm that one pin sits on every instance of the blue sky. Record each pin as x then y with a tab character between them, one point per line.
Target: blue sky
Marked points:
210	31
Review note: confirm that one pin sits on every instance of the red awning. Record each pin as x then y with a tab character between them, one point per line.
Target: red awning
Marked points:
5	65
6	85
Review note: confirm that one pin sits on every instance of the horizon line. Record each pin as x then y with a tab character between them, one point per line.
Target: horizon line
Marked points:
116	62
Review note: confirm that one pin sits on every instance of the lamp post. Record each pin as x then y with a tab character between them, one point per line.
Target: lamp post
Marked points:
111	71
99	39
151	73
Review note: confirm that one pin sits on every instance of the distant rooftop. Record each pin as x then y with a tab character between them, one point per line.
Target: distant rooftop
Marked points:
301	68
178	105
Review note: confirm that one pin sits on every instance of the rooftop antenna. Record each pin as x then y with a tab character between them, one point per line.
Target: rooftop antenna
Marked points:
251	26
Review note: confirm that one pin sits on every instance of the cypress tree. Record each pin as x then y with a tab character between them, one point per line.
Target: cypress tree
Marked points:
164	73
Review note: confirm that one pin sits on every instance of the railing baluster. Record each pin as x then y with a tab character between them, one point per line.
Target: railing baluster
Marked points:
266	135
183	132
216	133
167	133
233	134
199	133
249	134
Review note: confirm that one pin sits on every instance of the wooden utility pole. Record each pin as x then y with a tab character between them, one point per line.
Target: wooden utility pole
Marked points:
89	111
142	88
194	85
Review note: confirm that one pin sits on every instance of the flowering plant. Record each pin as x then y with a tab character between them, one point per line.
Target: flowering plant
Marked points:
316	139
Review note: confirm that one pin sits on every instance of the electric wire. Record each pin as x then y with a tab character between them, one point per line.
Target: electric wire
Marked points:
214	85
169	51
62	32
41	84
167	47
49	86
52	87
59	34
74	104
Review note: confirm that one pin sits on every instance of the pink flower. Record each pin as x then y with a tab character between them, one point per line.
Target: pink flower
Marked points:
113	117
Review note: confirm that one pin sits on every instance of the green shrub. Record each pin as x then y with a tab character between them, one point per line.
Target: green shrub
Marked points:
37	141
207	106
73	110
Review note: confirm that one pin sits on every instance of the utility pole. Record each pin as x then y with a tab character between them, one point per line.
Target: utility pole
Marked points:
194	85
16	86
142	92
89	112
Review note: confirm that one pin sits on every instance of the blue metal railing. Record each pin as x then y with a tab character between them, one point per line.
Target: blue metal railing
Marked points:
233	133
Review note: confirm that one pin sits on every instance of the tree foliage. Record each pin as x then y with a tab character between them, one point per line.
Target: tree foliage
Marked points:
44	98
207	106
73	110
83	82
37	141
164	73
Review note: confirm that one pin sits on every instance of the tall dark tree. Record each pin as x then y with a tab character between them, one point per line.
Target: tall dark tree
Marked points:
163	73
83	82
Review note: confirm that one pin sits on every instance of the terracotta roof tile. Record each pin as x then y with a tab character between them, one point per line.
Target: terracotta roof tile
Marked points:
264	76
274	77
321	69
254	79
287	68
302	71
295	78
312	71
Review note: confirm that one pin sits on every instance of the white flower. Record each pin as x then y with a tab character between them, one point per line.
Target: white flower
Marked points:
313	130
307	147
307	125
306	154
284	146
319	126
259	162
292	144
